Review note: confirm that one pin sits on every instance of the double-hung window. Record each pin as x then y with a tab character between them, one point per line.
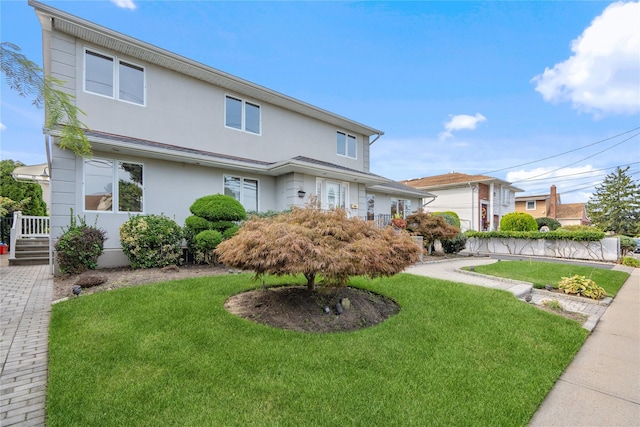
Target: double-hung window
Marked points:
113	77
242	115
506	196
531	205
113	186
346	144
244	190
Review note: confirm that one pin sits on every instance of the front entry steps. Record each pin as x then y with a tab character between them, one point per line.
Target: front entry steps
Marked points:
31	251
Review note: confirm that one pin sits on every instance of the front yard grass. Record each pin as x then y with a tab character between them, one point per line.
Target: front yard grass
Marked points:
170	354
543	273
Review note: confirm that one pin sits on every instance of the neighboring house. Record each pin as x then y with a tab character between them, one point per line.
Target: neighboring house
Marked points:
480	201
35	174
551	206
166	130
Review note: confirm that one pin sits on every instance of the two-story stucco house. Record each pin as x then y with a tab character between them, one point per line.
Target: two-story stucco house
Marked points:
166	130
480	201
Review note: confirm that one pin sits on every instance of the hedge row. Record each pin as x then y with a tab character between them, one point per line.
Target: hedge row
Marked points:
591	235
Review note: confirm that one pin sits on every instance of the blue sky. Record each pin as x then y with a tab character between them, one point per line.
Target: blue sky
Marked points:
471	87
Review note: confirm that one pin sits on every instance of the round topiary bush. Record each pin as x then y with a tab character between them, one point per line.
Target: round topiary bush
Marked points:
151	241
518	221
549	222
196	224
79	247
218	207
450	214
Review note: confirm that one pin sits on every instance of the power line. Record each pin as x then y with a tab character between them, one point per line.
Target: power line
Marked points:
562	154
581	160
560	177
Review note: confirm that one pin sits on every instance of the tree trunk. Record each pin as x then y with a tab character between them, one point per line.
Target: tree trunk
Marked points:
311	281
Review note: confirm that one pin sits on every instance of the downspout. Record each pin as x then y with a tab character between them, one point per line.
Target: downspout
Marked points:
473	208
430	201
47	145
376	138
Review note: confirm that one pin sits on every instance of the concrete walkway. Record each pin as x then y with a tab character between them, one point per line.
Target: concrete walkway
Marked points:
25	307
601	386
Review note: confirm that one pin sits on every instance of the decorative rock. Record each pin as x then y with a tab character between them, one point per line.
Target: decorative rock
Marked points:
548	287
169	268
326	309
339	308
346	304
528	298
90	280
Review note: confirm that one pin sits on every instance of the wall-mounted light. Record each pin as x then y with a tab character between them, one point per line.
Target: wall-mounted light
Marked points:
301	194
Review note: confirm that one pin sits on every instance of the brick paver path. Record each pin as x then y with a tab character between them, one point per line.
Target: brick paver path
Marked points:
25	308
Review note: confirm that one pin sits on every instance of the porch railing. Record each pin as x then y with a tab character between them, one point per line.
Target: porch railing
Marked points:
25	226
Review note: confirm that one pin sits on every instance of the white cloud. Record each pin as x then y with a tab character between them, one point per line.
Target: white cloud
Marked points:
2	126
603	75
125	4
461	122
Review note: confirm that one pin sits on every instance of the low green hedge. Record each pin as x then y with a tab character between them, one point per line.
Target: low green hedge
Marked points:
591	235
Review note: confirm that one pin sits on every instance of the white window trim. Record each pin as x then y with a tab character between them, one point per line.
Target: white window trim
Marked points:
344	186
116	77
527	205
346	148
243	124
115	195
242	178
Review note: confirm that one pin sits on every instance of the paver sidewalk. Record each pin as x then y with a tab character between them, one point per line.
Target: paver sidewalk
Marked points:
25	308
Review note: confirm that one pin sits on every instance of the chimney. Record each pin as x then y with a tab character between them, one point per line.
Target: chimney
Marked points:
553	198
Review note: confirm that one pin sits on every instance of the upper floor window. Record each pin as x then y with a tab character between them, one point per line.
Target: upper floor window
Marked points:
113	185
242	115
346	145
124	81
244	190
506	196
531	205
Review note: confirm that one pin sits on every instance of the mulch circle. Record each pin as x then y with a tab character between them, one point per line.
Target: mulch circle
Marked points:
299	309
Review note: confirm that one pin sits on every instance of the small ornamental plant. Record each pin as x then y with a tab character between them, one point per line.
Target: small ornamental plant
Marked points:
79	246
398	222
580	285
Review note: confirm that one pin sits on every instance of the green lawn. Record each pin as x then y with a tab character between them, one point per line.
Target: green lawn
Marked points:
169	354
542	273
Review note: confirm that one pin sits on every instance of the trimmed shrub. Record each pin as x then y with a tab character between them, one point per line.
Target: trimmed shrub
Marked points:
79	247
518	221
197	224
230	232
451	214
206	241
590	235
576	228
218	207
549	222
455	245
580	285
151	241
